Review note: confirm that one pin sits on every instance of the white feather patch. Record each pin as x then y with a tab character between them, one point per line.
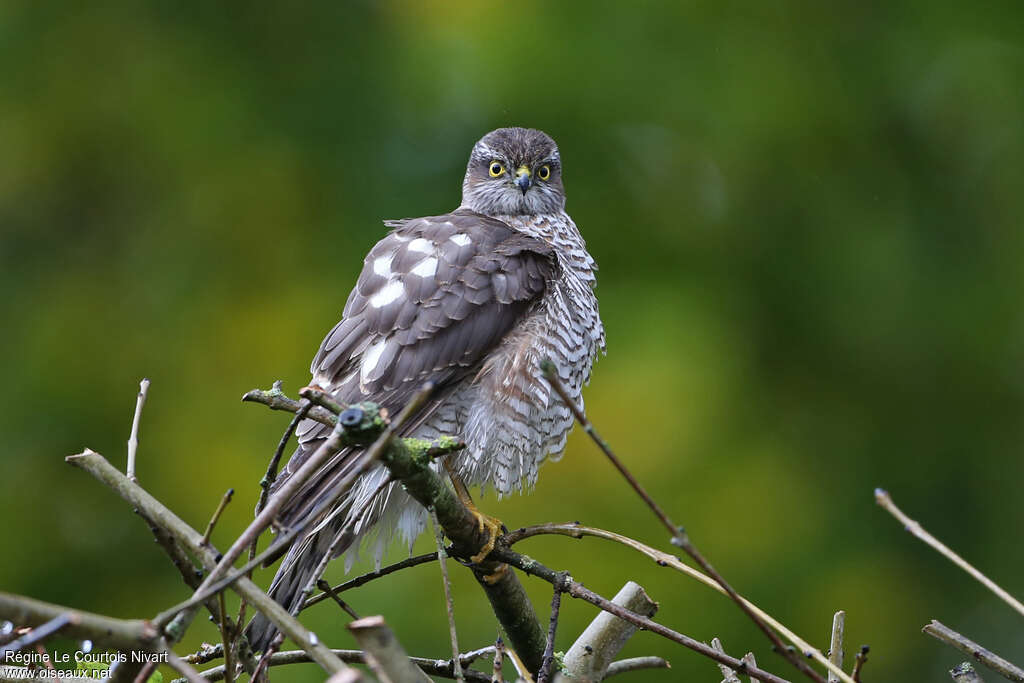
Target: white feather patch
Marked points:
387	294
426	268
370	358
382	265
461	239
421	245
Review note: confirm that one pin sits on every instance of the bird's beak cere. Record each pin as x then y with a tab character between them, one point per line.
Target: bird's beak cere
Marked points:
523	178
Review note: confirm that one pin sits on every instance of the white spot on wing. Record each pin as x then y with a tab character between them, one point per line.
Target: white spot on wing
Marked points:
388	293
421	245
370	358
461	239
426	268
382	265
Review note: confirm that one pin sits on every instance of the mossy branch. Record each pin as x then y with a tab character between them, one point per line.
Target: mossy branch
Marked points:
409	461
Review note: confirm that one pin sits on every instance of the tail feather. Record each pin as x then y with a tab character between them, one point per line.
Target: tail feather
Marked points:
296	573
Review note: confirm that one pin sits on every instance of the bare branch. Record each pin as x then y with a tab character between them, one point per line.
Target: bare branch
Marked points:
409	461
679	536
1004	668
433	667
384	654
133	440
38	634
636	664
859	661
883	498
119	634
157	513
321	398
593	652
577	590
367	422
663	559
448	602
551	374
544	675
276	400
499	656
835	648
216	515
182	667
728	675
345	607
370	576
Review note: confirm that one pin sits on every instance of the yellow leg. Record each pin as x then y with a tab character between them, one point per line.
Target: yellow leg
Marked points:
492	526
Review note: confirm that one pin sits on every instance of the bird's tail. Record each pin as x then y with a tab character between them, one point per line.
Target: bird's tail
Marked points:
298	571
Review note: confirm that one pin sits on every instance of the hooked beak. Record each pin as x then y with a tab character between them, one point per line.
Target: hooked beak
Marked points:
523	179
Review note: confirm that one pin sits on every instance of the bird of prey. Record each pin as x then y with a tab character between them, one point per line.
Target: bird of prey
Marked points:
472	301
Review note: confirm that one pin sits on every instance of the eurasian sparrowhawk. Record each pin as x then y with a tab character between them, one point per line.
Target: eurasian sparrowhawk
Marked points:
473	301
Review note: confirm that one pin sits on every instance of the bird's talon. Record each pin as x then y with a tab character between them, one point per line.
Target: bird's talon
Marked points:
492	526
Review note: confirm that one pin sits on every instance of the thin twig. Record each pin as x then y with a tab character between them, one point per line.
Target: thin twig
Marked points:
370	576
216	515
203	594
517	663
183	667
1001	666
308	468
728	675
193	576
406	460
663	559
549	645
321	398
276	400
260	675
433	667
275	461
41	649
679	535
449	604
38	634
326	588
96	465
142	676
835	648
343	537
119	634
267	482
883	498
577	590
748	661
636	664
499	656
133	440
859	661
551	374
226	636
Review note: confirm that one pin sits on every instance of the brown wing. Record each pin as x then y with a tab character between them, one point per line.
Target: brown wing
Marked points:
435	296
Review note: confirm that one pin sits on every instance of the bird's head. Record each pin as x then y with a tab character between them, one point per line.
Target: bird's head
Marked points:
514	171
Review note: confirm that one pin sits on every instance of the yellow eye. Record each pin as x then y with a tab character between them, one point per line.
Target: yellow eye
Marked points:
496	169
544	172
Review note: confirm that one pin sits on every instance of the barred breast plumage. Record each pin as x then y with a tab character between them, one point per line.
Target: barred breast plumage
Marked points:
473	301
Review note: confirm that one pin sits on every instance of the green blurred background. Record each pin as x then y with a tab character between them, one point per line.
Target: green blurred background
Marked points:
808	221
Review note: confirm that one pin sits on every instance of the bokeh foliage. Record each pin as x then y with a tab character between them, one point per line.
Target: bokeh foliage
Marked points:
808	221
